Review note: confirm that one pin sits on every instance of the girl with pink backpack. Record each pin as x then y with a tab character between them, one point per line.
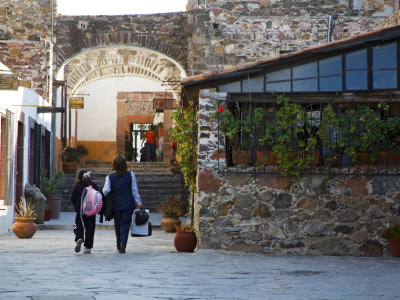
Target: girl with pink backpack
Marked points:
84	225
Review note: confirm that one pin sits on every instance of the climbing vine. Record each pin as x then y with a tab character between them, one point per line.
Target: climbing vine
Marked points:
184	133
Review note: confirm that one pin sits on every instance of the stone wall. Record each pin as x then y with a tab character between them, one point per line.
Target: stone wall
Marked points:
228	33
28	60
344	215
24	27
26	20
164	33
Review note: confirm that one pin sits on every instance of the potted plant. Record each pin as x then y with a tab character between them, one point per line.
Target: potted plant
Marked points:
25	216
392	234
170	209
49	187
82	152
185	239
70	160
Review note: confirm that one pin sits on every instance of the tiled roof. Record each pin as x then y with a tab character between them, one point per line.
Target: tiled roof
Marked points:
345	43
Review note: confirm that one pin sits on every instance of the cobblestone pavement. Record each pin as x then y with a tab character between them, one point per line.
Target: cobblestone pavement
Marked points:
46	267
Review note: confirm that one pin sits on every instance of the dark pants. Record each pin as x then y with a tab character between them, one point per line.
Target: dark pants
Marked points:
150	152
86	232
122	222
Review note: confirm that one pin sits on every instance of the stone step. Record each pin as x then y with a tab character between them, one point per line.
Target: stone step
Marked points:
153	188
136	167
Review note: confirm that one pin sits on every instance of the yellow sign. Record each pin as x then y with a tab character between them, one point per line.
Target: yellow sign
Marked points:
8	82
76	102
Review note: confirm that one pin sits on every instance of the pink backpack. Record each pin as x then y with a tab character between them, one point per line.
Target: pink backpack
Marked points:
91	201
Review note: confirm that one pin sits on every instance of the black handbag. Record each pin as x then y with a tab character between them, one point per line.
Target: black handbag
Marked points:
141	216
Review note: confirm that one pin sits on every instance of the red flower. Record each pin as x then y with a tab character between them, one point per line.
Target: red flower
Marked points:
221	109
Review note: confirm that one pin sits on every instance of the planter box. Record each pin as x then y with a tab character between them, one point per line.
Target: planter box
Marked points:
241	156
266	157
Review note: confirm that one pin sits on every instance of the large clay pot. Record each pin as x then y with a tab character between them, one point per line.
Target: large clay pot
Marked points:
70	167
185	241
395	247
47	215
55	207
24	228
169	223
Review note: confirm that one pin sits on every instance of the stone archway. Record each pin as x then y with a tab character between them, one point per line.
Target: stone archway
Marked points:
97	64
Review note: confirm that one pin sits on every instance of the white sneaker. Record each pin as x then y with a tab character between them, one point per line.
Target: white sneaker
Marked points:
87	250
78	246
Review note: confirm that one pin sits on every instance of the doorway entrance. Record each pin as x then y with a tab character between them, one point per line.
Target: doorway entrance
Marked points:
137	131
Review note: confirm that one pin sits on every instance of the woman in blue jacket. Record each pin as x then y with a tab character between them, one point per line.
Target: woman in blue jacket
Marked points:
126	195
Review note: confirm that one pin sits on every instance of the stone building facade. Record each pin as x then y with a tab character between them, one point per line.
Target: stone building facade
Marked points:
344	215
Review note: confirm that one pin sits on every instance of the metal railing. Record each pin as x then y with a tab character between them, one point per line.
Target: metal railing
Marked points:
250	152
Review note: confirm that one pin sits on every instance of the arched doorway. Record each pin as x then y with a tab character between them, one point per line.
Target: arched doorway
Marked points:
118	84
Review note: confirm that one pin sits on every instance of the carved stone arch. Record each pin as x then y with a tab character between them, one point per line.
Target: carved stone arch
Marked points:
98	63
128	39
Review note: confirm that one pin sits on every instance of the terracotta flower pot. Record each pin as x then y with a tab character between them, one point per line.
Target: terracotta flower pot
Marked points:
169	223
266	157
24	228
241	156
47	215
70	167
395	247
55	207
185	241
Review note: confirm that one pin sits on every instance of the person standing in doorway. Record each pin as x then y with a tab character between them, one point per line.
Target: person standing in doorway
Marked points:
84	225
150	138
126	197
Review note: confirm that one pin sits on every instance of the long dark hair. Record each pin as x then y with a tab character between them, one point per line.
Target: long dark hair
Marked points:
86	180
119	165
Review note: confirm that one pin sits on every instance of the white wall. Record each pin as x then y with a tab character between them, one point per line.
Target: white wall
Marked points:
98	120
17	102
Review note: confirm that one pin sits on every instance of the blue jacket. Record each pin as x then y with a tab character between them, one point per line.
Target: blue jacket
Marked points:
125	190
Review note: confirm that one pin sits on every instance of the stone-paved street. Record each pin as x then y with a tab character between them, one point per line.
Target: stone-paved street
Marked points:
46	267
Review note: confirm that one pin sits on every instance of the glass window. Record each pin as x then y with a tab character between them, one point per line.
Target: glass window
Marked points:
356	60
384	66
356	70
278	75
278	87
305	85
332	83
330	66
233	87
254	84
384	56
305	71
356	80
385	79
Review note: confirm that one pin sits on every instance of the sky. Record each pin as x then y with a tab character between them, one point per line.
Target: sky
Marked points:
119	7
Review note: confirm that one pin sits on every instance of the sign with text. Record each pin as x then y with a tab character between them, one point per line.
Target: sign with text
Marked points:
76	102
161	104
8	82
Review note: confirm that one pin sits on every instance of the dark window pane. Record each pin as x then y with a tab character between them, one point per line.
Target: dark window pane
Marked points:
357	60
384	79
306	70
233	87
254	84
278	87
330	66
384	56
278	75
356	80
333	83
305	85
